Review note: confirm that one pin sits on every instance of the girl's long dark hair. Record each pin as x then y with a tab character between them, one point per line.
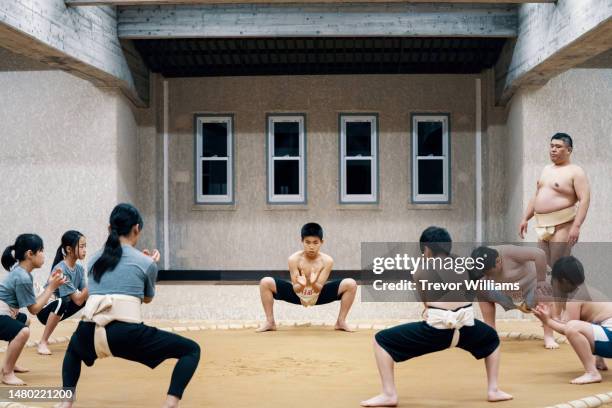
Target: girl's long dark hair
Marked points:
70	239
122	219
16	252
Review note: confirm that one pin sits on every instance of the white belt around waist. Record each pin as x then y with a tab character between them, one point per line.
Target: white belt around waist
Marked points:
451	319
103	309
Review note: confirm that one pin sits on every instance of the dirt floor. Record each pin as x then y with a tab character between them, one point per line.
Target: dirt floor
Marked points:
306	367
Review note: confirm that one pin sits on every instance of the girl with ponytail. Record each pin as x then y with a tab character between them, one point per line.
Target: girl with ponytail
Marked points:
124	277
71	296
16	292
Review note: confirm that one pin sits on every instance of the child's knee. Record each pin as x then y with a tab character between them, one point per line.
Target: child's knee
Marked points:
266	282
192	348
572	327
350	284
23	334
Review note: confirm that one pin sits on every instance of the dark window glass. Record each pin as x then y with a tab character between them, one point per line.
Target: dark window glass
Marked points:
214	139
286	177
358	138
359	177
214	177
287	139
430	138
431	177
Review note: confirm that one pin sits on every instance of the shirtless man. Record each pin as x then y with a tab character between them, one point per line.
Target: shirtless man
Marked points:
511	263
406	341
561	201
309	270
586	322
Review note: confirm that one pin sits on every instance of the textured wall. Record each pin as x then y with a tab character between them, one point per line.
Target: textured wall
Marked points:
254	235
576	102
68	156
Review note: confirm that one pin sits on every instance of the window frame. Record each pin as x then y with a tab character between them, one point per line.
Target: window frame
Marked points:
200	197
445	197
272	198
344	197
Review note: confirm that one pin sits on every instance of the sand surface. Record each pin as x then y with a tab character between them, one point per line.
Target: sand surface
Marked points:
306	367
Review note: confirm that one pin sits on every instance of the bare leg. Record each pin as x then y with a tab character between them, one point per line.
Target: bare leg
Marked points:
347	291
43	344
267	289
549	338
600	363
385	364
494	394
558	246
580	335
12	354
171	402
543	245
488	312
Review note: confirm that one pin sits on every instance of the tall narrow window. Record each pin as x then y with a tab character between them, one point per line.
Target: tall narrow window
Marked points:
286	159
214	147
430	159
358	159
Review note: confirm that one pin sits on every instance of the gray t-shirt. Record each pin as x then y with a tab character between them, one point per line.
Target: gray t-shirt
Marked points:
17	289
134	275
75	281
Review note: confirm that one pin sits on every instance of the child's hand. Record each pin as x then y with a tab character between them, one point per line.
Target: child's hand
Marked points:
154	254
542	312
57	279
302	280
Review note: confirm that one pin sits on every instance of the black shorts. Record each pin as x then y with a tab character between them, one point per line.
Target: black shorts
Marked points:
329	292
411	340
63	307
9	327
132	341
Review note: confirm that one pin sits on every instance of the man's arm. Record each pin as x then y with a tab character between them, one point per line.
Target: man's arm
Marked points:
583	192
323	275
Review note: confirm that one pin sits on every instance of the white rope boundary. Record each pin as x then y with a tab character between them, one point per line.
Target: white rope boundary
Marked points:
591	401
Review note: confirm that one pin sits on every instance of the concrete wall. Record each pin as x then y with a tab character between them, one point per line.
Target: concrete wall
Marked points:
576	102
68	156
254	235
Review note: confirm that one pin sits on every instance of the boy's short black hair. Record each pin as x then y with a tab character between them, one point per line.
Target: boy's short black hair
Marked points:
437	239
312	229
565	138
570	269
488	258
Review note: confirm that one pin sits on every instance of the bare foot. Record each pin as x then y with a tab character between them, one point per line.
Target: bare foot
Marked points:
268	326
550	343
43	349
343	326
18	369
601	365
587	378
498	395
381	400
11	379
